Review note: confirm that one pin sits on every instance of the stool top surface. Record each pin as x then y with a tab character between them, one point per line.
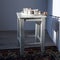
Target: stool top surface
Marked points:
30	16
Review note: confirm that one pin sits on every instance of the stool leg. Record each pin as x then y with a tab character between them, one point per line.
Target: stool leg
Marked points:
42	34
36	31
21	40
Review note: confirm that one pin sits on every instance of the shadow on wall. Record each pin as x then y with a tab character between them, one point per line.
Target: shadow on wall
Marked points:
55	29
55	23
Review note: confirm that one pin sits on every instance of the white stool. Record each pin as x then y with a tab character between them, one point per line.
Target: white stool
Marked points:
39	29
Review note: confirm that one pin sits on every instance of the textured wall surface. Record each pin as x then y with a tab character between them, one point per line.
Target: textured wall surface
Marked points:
56	12
52	23
9	9
49	19
0	15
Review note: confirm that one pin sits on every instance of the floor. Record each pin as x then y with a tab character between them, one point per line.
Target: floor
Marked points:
8	39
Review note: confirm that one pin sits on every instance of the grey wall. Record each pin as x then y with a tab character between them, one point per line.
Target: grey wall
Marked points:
56	12
0	10
0	14
49	18
10	7
52	23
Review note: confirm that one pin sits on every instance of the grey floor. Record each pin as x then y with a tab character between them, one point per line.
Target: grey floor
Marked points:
8	40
